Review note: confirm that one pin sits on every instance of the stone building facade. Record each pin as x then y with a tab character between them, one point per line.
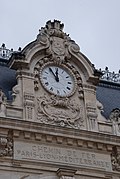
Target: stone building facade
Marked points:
52	124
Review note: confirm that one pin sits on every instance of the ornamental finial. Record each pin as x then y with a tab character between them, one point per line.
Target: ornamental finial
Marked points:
54	25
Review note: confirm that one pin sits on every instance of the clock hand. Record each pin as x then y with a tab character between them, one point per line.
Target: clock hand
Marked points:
52	72
56	78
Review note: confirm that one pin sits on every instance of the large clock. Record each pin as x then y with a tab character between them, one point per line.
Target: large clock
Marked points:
58	80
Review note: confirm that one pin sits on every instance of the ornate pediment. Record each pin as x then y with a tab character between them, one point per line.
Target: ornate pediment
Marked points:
53	42
56	83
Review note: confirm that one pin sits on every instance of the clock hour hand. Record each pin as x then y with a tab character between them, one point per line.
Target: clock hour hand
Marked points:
56	78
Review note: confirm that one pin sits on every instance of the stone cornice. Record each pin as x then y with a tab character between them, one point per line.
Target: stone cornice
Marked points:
80	138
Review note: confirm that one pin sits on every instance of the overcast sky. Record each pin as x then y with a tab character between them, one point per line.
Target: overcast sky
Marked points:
93	24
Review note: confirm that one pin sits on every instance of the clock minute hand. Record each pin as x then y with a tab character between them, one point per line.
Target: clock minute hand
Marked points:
52	72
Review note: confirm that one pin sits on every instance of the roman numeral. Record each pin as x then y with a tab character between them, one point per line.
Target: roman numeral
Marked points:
45	78
67	76
51	89
68	88
58	92
69	83
46	83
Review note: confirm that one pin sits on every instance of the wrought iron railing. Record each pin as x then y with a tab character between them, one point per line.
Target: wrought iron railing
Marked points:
5	53
110	76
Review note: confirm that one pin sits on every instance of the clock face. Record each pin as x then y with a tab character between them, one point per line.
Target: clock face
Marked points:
57	80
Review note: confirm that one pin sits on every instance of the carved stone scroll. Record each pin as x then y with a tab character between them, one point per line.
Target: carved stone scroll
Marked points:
59	111
60	44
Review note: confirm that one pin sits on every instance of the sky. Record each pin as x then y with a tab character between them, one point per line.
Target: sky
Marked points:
93	24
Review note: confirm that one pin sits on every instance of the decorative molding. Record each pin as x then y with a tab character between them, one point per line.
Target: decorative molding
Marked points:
66	173
92	115
25	74
25	176
67	177
6	147
29	96
91	109
87	86
56	135
29	105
